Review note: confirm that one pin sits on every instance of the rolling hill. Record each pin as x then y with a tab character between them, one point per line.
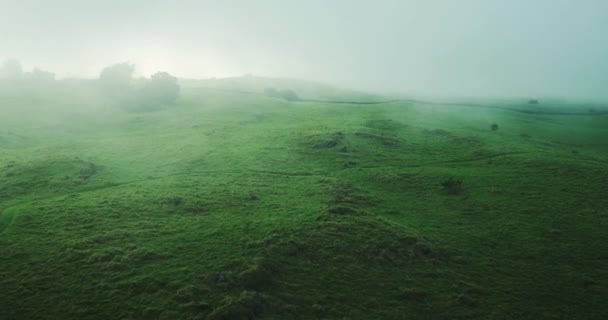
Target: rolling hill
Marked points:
235	205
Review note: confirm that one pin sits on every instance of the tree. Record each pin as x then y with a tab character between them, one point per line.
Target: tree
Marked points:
288	95
116	79
162	88
42	75
271	92
11	70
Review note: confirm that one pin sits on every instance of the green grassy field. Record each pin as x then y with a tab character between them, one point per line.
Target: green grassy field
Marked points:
234	205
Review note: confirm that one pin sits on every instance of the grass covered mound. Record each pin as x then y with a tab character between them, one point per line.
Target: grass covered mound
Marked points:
232	205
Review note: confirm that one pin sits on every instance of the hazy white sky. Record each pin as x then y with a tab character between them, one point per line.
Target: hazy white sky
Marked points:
458	47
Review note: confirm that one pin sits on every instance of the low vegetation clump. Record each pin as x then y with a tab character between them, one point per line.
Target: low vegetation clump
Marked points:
452	186
286	94
332	141
436	132
88	170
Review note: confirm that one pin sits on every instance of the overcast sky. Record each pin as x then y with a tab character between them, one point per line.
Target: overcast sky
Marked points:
459	47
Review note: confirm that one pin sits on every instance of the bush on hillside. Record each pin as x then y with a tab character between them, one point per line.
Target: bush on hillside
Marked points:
161	89
155	93
41	75
11	70
116	80
139	95
271	92
289	95
286	94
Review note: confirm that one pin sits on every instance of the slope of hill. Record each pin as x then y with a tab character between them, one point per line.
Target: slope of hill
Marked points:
306	89
242	206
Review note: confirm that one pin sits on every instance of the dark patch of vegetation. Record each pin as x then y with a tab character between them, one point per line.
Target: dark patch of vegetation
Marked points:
286	94
468	301
336	139
271	92
248	305
494	127
452	186
350	164
338	209
533	101
289	95
436	132
343	193
173	201
326	144
483	154
339	246
195	210
258	276
255	118
88	170
252	197
466	140
414	295
385	124
423	249
381	139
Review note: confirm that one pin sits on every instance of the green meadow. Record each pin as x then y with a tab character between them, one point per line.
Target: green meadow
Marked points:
232	204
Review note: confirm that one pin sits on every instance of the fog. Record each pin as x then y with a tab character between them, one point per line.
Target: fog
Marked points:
445	48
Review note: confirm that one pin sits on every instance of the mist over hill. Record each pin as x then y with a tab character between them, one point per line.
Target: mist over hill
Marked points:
242	160
451	49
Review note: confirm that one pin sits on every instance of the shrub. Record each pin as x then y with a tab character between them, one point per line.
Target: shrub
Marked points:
286	94
271	92
41	75
116	79
494	127
162	88
289	95
154	94
11	70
